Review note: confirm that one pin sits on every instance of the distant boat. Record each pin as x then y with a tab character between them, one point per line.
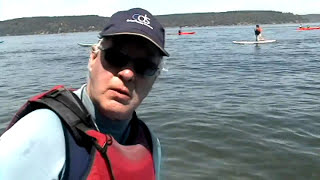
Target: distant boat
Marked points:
186	33
181	33
85	44
308	28
1	41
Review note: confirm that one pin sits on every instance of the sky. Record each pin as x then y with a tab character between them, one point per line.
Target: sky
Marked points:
11	9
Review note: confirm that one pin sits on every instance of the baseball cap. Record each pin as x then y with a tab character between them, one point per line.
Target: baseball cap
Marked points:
138	22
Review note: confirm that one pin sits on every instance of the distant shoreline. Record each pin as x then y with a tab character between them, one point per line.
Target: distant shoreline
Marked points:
68	24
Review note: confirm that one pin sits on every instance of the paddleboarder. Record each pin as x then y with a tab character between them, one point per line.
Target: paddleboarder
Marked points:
258	33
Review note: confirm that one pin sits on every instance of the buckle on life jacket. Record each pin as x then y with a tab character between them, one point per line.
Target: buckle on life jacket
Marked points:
54	92
103	151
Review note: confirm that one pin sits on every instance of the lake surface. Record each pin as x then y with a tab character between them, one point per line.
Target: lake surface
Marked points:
221	110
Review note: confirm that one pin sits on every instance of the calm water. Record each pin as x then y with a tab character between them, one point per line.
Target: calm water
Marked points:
222	110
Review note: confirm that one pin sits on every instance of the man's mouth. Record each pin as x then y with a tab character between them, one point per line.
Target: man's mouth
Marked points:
121	94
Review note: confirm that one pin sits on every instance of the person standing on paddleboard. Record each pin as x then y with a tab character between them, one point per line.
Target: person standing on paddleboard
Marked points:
179	32
258	33
94	132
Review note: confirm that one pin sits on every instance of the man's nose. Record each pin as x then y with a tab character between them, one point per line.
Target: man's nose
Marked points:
127	73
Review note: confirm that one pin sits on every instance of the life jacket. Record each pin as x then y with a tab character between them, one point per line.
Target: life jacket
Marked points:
91	154
258	30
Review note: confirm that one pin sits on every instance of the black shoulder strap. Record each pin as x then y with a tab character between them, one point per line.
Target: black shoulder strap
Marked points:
69	107
65	104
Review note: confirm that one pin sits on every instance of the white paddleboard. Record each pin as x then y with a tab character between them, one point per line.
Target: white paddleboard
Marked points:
85	44
254	42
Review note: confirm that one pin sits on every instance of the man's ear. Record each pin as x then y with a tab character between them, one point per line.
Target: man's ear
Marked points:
92	59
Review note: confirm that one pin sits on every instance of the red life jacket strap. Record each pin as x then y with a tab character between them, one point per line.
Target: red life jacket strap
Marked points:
103	148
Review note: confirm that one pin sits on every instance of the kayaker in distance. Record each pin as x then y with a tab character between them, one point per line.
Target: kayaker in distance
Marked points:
184	33
94	132
258	33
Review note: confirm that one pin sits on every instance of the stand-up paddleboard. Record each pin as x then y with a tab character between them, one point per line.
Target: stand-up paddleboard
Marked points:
254	42
85	44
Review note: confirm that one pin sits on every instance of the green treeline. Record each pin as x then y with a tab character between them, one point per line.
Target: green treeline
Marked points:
52	25
64	24
230	18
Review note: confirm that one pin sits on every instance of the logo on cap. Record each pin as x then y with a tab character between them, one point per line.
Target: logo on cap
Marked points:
138	18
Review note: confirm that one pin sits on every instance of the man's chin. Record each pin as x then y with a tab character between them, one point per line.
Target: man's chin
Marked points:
118	111
119	116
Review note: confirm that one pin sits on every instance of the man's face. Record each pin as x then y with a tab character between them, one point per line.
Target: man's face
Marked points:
117	88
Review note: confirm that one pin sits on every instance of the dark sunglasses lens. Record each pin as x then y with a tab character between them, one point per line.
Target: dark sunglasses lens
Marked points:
115	58
145	67
142	66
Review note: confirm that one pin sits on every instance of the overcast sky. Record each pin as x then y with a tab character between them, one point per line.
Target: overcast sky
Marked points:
10	9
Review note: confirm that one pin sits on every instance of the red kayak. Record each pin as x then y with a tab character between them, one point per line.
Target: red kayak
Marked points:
185	33
308	28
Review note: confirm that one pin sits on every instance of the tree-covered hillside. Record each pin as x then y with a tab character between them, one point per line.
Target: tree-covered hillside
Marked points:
50	25
230	18
63	24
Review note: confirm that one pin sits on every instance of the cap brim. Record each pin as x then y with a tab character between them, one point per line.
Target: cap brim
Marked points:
165	53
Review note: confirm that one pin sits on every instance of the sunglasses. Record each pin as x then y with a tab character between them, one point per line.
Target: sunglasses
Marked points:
141	66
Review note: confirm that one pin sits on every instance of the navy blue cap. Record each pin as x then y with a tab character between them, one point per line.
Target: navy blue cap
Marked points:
138	22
